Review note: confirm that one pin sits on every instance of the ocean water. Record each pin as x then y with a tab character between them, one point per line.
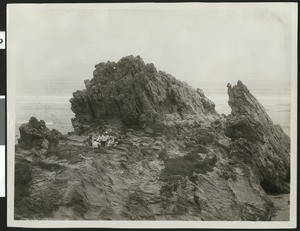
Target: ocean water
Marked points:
56	112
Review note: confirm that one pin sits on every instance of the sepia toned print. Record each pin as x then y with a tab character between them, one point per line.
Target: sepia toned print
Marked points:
177	113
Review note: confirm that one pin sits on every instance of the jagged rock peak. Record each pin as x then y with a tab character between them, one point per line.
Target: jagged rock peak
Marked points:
269	147
137	94
242	101
247	108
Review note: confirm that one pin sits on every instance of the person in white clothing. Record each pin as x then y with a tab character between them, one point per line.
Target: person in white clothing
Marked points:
95	144
103	139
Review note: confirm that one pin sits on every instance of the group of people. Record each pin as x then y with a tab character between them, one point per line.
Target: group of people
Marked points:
104	140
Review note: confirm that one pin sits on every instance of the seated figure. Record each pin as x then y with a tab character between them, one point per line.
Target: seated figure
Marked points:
88	141
95	144
103	139
110	141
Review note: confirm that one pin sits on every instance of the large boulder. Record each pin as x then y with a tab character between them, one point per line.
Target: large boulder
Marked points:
136	94
258	139
36	134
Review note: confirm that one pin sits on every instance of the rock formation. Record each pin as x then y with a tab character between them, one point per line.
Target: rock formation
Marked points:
268	146
137	94
177	158
35	134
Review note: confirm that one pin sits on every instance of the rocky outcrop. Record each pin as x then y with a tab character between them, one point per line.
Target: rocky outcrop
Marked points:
35	134
136	94
257	139
177	158
143	178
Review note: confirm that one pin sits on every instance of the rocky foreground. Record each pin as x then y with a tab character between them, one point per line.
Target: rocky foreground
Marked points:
177	158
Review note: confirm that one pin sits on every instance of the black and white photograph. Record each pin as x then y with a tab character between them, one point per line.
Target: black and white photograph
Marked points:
152	115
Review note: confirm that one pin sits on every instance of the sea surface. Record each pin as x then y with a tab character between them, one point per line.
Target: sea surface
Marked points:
56	112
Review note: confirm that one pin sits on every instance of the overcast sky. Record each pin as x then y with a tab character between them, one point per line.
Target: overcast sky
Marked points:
206	45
